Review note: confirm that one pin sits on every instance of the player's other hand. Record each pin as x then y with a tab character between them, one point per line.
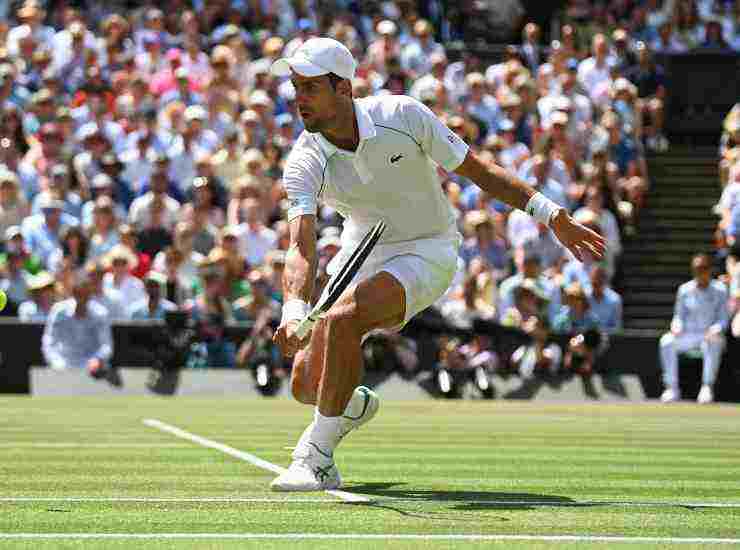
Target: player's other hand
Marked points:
287	339
577	238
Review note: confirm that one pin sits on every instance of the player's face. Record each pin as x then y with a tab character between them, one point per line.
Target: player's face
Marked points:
317	101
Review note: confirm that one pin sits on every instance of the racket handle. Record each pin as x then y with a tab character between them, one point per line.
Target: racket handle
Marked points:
304	327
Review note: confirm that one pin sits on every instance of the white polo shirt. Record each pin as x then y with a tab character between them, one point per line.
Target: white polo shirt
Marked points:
392	175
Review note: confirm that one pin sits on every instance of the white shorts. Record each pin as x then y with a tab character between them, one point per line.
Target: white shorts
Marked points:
424	268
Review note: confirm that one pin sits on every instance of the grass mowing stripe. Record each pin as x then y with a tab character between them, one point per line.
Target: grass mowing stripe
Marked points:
364	536
301	500
254	460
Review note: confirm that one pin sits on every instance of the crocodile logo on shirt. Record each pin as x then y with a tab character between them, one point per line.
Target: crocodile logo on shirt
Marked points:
395	158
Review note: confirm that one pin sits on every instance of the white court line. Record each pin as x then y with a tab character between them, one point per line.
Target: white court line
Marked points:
236	453
315	500
362	536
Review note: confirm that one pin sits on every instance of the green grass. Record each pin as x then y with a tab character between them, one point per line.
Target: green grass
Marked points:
434	467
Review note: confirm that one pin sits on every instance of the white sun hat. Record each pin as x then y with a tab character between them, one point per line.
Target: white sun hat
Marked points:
316	57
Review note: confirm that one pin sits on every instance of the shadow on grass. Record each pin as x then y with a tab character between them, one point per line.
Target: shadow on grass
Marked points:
462	500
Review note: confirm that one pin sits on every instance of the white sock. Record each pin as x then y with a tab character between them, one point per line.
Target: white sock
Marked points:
325	431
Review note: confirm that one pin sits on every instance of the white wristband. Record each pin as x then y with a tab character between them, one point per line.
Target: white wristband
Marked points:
295	309
541	208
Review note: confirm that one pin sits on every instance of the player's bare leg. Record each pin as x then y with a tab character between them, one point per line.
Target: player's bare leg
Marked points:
334	358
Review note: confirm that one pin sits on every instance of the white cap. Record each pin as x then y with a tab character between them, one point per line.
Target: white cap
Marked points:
386	27
316	57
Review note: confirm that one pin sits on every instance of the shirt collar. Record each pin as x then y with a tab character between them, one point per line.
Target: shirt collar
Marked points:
365	127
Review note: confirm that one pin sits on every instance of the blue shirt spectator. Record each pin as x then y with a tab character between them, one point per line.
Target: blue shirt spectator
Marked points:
72	338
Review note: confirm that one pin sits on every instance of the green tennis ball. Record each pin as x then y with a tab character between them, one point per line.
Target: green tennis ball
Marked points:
3	300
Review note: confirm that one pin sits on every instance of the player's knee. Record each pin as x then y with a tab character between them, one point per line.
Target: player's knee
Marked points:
302	392
667	340
340	325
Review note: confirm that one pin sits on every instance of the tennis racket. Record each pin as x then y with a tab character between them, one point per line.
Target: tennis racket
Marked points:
341	279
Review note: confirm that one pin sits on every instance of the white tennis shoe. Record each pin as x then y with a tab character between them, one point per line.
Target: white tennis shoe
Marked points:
312	469
706	395
670	395
362	407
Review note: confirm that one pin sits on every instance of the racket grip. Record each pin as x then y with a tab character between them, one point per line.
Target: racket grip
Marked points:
304	327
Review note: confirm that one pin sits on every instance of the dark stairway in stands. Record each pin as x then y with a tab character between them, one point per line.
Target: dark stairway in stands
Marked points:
676	222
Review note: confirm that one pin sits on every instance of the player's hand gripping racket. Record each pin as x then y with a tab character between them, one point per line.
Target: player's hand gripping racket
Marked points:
341	279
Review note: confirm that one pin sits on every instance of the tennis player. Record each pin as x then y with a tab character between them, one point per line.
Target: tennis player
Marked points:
369	159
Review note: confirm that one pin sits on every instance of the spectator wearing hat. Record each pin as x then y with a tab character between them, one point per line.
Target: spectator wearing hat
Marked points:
30	17
112	167
57	186
164	80
150	60
576	320
195	130
182	90
13	205
104	227
528	265
41	231
41	298
34	67
95	144
120	261
205	201
155	305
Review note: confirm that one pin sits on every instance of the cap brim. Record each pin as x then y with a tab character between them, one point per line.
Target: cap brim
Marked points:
285	65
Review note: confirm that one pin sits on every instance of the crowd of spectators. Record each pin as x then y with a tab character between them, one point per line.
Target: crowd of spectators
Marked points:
142	146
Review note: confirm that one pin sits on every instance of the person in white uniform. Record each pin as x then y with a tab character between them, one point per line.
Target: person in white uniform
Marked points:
370	159
701	315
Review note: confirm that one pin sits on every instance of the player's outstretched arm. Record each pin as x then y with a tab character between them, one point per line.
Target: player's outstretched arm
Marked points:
506	187
298	282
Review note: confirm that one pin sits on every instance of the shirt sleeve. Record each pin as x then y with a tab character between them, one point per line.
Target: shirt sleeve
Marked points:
50	342
439	142
105	339
303	178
